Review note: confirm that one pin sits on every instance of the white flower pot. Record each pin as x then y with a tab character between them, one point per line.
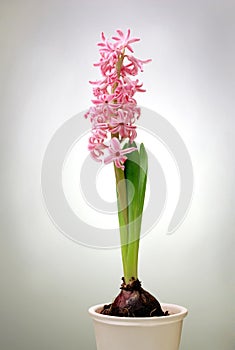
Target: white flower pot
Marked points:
142	333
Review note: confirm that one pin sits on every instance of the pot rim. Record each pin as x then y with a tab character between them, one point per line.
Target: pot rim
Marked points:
176	313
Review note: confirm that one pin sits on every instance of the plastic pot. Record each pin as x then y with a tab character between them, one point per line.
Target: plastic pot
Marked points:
139	333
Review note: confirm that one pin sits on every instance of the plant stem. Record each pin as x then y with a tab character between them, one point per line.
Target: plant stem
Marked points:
122	215
118	68
121	190
129	222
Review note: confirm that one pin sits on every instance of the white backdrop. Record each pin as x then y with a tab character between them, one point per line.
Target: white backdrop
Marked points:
47	51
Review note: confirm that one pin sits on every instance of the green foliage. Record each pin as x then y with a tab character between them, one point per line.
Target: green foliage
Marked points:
131	186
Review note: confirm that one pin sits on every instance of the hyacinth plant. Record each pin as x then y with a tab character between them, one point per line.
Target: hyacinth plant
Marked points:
113	132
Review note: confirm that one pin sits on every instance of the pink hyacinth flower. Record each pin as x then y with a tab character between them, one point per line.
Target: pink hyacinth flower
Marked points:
116	154
122	125
96	148
105	98
124	41
134	66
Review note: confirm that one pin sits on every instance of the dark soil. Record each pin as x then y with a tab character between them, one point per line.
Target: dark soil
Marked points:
134	301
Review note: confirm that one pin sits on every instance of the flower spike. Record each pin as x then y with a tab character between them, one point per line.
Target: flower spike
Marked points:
114	110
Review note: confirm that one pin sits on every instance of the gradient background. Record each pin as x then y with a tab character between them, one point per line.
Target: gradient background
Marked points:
47	281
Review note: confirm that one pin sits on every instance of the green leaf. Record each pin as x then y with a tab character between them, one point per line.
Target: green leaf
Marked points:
142	177
132	193
132	185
